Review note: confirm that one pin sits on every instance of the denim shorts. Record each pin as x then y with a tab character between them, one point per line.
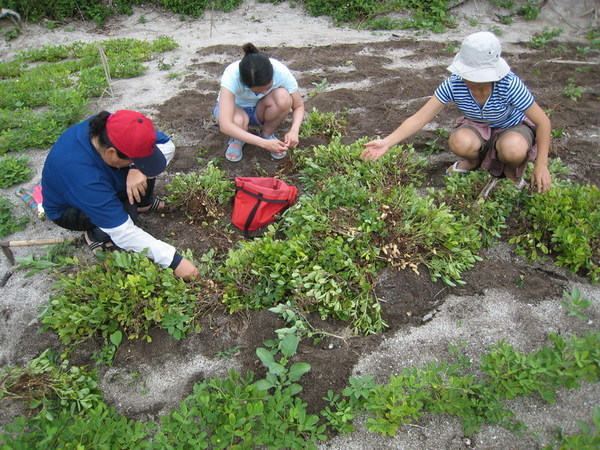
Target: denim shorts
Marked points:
251	111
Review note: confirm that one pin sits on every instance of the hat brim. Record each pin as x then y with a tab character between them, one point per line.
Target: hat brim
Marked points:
153	164
480	74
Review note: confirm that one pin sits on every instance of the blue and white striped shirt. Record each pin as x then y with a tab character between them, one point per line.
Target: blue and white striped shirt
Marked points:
503	108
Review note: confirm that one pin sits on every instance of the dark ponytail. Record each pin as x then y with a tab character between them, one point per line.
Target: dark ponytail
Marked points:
255	67
98	129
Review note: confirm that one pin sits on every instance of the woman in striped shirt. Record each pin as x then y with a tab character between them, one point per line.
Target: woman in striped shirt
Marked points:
503	128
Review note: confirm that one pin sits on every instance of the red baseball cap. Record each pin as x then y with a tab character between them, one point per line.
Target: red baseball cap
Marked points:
133	134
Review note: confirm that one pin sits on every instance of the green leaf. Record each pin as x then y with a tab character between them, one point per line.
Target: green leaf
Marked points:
265	356
289	345
263	385
297	370
116	338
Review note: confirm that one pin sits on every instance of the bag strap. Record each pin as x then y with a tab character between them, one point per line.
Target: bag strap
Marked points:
252	214
260	196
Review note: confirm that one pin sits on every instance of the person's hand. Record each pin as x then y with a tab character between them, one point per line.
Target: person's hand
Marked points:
374	149
274	145
541	181
291	139
186	270
136	185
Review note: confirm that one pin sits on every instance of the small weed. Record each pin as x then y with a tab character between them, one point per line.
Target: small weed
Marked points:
432	147
162	65
573	92
320	86
496	30
520	281
51	25
8	222
540	40
583	51
583	69
142	19
529	10
575	305
229	352
176	75
589	437
473	22
558	133
11	34
537	73
560	49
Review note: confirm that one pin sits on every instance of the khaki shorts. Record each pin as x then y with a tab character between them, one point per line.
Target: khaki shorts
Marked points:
522	129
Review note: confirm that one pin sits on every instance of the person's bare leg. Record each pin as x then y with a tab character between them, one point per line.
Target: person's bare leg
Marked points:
512	150
465	144
241	119
273	109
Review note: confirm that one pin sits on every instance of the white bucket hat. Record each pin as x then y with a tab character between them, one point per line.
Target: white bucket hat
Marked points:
479	59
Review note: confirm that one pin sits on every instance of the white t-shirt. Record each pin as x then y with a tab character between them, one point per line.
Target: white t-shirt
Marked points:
244	97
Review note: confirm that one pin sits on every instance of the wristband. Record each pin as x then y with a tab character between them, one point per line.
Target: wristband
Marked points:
176	260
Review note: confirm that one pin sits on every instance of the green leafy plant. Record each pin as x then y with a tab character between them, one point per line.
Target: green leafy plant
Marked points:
564	363
325	124
449	387
124	296
14	170
237	412
201	194
558	133
575	305
573	92
8	222
573	235
46	90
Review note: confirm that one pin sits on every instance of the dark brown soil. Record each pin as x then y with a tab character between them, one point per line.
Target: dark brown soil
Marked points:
375	108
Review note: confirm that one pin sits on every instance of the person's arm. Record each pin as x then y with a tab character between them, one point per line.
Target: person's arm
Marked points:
377	148
130	237
540	177
291	137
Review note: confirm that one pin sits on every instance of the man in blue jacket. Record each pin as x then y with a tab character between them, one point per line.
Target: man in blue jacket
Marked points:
100	174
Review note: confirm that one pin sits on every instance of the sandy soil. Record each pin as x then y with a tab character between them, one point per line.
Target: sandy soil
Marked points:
381	77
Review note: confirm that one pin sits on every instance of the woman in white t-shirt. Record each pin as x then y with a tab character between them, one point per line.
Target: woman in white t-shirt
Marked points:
258	91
